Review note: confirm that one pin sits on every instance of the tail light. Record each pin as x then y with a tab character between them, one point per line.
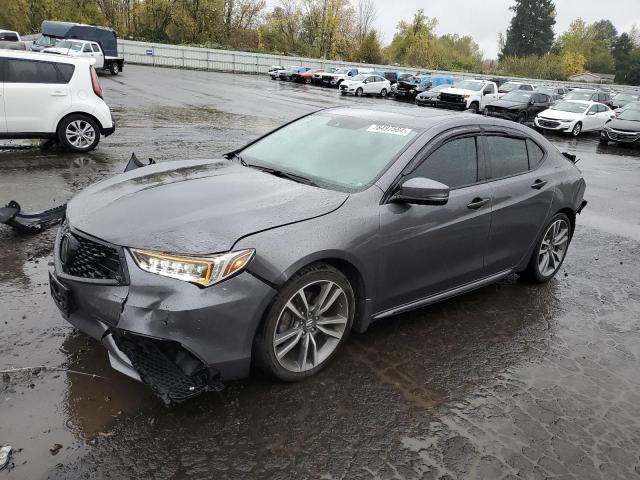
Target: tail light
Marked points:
97	89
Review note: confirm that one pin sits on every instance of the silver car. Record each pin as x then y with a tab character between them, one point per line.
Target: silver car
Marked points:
190	271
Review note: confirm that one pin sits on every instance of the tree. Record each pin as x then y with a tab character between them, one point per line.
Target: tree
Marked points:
370	50
622	53
366	14
531	28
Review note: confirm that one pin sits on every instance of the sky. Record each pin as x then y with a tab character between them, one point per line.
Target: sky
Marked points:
484	19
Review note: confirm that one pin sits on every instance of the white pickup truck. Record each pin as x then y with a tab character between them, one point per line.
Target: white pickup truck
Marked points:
89	49
472	95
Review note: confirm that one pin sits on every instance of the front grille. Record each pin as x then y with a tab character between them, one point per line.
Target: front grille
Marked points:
85	258
548	123
452	98
619	136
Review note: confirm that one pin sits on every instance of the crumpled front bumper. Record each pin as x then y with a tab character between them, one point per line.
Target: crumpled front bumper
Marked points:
215	325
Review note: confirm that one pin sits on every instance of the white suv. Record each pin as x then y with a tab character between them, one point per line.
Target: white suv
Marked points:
52	97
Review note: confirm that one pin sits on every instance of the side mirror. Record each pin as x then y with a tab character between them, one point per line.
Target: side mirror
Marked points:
589	114
365	81
531	101
422	191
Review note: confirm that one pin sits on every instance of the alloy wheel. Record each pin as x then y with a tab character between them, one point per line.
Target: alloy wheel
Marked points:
310	326
577	129
80	134
553	247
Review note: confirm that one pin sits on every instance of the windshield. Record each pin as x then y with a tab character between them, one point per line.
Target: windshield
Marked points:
517	97
570	107
468	85
342	151
625	97
507	87
342	70
359	78
547	90
575	95
632	114
46	41
68	44
632	105
440	87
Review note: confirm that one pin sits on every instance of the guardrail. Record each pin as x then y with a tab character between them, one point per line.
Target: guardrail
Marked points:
195	58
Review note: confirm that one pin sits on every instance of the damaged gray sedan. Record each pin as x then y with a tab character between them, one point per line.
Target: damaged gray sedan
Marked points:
189	272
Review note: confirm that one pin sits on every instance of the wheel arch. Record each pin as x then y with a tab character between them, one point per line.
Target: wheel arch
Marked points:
100	127
345	265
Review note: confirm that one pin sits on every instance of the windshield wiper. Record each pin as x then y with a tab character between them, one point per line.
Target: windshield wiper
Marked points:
282	174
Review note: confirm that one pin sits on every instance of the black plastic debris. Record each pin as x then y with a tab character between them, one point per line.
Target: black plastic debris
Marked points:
13	216
569	156
174	381
134	163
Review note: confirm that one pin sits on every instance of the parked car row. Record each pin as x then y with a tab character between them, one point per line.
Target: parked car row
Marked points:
72	39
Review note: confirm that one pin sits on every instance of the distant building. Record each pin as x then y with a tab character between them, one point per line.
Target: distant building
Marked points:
593	77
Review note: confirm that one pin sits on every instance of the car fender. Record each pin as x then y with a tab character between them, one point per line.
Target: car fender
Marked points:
349	234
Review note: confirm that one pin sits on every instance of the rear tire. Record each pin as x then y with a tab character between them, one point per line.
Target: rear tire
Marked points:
281	320
114	68
78	133
550	251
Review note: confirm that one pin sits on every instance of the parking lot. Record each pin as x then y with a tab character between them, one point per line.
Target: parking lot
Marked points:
510	381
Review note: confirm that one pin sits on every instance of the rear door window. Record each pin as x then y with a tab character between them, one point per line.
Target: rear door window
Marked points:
536	154
95	47
507	156
455	163
65	72
30	71
9	37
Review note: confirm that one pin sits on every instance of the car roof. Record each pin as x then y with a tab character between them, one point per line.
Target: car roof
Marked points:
53	57
419	119
8	31
586	103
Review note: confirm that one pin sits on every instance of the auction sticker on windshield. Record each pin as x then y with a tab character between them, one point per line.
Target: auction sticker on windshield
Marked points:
389	129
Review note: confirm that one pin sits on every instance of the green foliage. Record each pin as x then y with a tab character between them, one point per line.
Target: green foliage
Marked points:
416	45
550	67
531	29
594	42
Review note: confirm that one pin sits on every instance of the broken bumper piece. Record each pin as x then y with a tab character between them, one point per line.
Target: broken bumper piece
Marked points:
13	216
171	372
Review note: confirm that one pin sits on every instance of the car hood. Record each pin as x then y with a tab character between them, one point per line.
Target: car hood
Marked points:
428	94
61	51
194	207
560	115
624	125
507	104
460	91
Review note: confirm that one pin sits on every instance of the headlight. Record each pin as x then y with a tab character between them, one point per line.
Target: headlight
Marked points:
203	271
466	96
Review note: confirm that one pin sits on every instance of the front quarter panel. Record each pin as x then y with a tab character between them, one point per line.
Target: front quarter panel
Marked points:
349	234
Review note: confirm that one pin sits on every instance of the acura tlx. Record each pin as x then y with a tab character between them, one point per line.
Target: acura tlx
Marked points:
189	272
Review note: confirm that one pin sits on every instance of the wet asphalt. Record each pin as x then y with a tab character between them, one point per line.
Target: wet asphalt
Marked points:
510	381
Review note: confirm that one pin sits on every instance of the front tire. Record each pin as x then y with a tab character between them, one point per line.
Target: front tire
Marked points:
551	250
383	92
78	133
359	92
307	324
577	129
522	118
474	107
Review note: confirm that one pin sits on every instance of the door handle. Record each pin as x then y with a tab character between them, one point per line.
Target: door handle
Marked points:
478	202
58	93
538	184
